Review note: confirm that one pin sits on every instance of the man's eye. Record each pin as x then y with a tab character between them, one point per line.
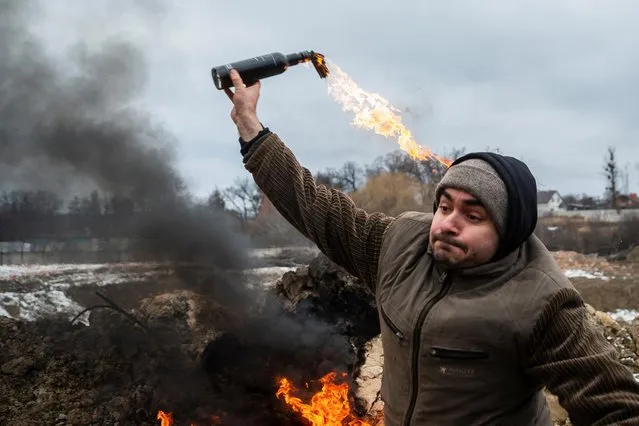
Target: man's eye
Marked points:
474	218
443	208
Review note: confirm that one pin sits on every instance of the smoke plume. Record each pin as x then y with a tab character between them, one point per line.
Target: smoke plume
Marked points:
71	125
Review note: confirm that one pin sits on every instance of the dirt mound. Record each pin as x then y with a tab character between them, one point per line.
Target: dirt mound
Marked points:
187	354
112	372
327	291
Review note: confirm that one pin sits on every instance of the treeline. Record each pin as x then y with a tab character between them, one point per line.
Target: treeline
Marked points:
391	184
38	214
395	183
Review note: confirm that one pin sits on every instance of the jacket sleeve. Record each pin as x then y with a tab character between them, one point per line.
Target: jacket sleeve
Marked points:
346	234
578	365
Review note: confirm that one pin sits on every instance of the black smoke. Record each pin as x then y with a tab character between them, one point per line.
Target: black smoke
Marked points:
74	122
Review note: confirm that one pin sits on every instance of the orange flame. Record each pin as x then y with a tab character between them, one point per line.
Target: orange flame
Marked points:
166	419
328	407
373	112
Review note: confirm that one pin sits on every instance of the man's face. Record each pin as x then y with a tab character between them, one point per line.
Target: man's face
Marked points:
462	233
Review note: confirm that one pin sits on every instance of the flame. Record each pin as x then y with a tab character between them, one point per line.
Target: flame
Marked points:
328	407
166	419
373	112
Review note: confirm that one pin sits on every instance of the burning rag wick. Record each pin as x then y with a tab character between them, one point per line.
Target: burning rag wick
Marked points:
373	112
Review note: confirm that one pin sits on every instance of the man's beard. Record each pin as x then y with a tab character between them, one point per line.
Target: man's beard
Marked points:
444	257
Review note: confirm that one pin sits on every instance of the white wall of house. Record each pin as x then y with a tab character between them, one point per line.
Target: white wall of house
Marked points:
553	205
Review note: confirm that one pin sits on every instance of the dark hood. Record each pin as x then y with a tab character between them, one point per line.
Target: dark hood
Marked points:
521	186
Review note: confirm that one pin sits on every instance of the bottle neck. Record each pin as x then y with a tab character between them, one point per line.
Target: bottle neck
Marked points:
299	57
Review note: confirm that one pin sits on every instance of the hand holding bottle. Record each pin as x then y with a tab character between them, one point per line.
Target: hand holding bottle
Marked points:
244	112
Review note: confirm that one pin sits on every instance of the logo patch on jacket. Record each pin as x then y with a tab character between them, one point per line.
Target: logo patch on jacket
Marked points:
457	371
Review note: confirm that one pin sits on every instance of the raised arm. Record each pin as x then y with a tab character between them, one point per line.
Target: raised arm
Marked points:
348	235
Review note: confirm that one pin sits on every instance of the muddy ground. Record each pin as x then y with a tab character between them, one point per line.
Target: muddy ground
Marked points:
606	285
115	372
182	351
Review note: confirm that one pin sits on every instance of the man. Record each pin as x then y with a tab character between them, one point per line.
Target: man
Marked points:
476	315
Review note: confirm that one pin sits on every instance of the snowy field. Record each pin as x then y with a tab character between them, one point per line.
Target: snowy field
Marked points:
31	291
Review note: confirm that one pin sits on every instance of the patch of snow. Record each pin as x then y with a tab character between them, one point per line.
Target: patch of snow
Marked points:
39	303
14	271
267	277
626	315
261	253
10	271
33	291
46	292
4	313
265	252
100	278
270	270
580	273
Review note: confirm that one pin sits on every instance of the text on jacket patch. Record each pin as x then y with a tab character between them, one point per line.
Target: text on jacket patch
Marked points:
457	371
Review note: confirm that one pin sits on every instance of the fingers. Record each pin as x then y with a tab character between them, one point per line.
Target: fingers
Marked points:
236	79
229	93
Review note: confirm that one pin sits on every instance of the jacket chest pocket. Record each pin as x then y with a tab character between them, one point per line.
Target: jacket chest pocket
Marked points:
467	365
443	353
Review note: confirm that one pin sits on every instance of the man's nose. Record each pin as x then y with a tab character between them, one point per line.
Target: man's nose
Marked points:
450	224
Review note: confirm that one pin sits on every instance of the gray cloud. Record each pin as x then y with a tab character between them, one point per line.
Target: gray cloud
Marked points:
553	83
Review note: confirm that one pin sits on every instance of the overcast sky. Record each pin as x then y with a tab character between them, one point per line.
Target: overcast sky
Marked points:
551	82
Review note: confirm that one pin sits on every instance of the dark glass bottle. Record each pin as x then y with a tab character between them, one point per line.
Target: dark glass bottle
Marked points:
259	67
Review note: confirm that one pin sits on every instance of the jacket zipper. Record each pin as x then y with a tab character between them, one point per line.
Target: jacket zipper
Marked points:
396	331
448	353
443	279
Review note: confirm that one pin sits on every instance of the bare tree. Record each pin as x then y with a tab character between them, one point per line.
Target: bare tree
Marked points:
424	171
624	177
611	172
90	205
31	203
397	162
351	175
329	178
244	197
119	205
348	178
216	200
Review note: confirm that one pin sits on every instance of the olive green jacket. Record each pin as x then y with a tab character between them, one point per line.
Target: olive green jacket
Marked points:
461	347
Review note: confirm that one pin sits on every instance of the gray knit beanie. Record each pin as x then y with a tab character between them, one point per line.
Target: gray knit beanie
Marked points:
479	179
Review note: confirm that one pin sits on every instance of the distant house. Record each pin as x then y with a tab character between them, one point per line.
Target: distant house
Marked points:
549	202
630	201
